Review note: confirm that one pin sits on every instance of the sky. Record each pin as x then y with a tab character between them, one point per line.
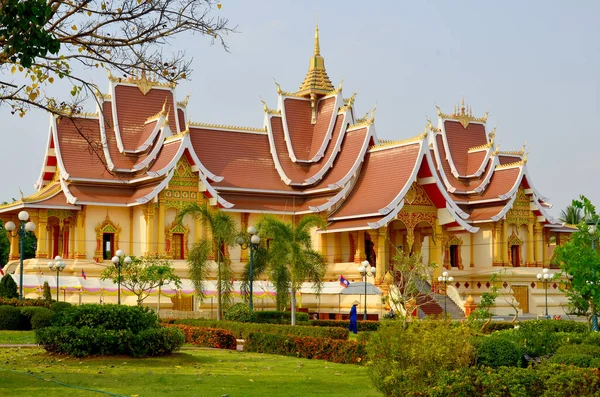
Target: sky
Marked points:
534	65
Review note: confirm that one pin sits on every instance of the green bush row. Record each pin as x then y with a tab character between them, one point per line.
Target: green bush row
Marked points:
277	317
362	325
544	380
207	337
86	341
109	317
25	318
30	302
338	351
242	330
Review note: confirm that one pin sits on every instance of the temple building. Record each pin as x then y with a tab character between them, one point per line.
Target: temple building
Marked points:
117	177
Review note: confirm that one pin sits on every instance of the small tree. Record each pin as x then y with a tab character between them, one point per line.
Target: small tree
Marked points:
143	275
579	260
8	287
504	278
408	280
483	314
46	294
4	245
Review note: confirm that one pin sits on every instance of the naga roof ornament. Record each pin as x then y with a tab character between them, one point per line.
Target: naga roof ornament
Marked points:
316	80
463	114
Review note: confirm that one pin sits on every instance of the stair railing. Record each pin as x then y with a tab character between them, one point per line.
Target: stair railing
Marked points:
454	296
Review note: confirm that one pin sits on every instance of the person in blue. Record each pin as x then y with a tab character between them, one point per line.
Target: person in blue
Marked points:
353	327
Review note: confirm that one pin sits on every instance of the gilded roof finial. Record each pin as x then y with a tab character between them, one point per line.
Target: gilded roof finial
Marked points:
278	86
525	158
317	47
495	153
164	106
265	107
372	119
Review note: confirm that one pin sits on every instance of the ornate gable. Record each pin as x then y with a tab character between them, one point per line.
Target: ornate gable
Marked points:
183	186
520	213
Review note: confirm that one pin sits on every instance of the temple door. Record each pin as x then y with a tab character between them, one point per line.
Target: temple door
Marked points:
177	246
521	294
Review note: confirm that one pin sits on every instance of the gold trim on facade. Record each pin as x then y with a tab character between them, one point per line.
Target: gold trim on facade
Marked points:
227	127
462	114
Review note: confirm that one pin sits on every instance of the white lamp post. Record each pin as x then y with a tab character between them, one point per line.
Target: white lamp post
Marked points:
445	279
23	229
118	260
365	269
251	243
545	277
59	266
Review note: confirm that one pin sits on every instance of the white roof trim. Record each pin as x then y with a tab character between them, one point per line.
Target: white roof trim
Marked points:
339	102
286	133
61	166
348	229
40	182
440	168
171	164
389	217
331	202
278	166
152	155
357	163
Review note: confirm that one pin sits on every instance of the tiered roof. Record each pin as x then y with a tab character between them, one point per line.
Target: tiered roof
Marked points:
310	156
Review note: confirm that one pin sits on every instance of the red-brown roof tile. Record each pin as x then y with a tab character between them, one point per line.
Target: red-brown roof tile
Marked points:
134	108
242	159
383	175
485	213
474	161
282	203
502	181
166	155
357	223
460	140
112	194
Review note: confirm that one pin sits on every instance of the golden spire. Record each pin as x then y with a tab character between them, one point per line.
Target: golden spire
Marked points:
316	80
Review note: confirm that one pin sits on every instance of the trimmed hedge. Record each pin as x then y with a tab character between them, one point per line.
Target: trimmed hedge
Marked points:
337	351
240	312
109	317
207	337
36	317
25	302
243	330
546	380
11	318
277	317
362	325
86	341
60	306
497	352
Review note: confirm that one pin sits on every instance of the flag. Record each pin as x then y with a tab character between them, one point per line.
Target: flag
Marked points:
344	281
83	274
41	272
1	272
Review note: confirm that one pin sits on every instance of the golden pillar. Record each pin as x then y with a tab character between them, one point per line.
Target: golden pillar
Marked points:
540	252
323	241
417	241
161	225
359	256
504	242
131	209
435	253
382	251
42	235
530	245
150	228
14	243
245	216
337	247
497	235
71	240
471	250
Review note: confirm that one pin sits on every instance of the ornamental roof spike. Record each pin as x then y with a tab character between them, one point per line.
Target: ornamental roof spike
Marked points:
316	80
278	86
183	104
462	113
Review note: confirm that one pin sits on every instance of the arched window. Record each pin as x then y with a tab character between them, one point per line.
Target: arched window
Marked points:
514	250
452	255
107	240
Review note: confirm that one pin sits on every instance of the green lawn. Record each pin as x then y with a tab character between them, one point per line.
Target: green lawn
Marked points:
192	372
17	337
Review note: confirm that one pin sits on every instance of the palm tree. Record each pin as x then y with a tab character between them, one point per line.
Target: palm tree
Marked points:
571	215
223	230
290	259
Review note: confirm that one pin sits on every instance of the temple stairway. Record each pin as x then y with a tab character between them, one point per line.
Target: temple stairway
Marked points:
432	304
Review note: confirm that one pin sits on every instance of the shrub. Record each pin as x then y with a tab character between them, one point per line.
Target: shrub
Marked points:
110	317
407	359
578	360
338	351
498	352
41	316
8	287
86	341
242	330
589	350
362	325
570	381
277	317
60	306
208	337
25	302
46	294
364	337
11	318
240	312
496	326
593	338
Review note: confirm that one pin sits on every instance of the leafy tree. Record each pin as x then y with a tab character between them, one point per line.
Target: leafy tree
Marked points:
142	275
290	258
571	215
29	245
46	293
407	280
42	41
8	287
223	230
4	246
579	261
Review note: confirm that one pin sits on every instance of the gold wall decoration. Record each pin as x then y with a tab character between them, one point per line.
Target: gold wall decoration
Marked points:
515	240
417	208
173	251
106	227
520	213
183	186
456	241
463	114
